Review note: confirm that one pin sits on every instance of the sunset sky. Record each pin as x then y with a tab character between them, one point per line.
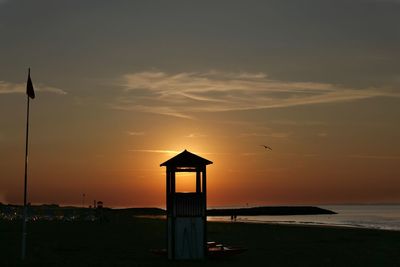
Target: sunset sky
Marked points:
122	86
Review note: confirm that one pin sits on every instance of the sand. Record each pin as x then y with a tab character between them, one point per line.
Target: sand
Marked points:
126	242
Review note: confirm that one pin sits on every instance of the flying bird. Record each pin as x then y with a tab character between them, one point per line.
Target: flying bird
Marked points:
266	147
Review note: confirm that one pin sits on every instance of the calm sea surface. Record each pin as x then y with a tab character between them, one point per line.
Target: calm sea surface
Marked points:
385	217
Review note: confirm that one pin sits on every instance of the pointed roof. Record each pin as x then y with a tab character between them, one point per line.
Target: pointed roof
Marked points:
186	159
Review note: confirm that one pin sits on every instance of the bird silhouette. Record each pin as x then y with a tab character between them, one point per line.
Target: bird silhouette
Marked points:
266	147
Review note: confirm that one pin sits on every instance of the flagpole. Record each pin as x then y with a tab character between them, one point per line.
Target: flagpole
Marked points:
23	254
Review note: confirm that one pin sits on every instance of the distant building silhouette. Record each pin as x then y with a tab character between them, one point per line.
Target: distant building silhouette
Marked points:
99	211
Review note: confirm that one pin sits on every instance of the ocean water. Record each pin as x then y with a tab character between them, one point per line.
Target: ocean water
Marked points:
384	217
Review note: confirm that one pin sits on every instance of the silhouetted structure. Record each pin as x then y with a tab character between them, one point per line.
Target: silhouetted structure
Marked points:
30	93
99	211
186	212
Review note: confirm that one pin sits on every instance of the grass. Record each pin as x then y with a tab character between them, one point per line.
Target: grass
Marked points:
126	242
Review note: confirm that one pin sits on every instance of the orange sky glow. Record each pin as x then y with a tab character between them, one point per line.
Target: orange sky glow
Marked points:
123	86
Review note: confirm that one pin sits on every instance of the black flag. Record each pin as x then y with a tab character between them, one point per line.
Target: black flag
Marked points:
29	86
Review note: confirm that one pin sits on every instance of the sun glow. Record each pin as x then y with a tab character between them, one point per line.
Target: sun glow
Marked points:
185	182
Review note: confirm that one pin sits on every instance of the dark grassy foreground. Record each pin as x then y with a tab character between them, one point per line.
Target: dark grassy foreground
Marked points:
127	242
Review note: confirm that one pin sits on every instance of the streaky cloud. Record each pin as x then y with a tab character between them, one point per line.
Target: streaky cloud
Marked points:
170	152
378	157
184	94
161	151
270	134
136	133
167	111
18	88
195	135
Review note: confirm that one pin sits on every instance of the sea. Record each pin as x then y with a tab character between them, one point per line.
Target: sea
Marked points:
383	217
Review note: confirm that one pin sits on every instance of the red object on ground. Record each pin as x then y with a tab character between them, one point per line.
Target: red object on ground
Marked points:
215	250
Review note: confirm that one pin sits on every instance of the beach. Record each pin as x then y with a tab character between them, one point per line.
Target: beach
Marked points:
127	241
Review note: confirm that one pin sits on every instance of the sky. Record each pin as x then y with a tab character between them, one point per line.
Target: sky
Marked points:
122	86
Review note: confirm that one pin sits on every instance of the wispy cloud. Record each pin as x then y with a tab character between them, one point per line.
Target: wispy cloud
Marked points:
195	135
382	157
298	123
272	134
13	88
172	152
160	151
187	93
135	133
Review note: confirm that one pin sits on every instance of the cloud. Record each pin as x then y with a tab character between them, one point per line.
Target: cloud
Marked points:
130	105
298	123
171	152
135	133
13	88
382	157
156	151
195	135
271	134
185	94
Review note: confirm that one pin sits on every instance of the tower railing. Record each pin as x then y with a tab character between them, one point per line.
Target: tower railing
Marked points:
188	205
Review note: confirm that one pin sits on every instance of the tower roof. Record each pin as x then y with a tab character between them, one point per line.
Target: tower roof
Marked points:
186	159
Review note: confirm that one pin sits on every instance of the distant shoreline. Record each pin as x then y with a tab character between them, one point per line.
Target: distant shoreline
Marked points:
253	211
270	211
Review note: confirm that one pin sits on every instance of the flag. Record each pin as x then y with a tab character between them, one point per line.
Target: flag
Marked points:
29	86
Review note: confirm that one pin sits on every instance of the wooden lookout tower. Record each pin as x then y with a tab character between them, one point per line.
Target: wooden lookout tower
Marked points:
186	212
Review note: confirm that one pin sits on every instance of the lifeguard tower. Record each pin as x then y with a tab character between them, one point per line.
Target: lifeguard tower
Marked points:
186	212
